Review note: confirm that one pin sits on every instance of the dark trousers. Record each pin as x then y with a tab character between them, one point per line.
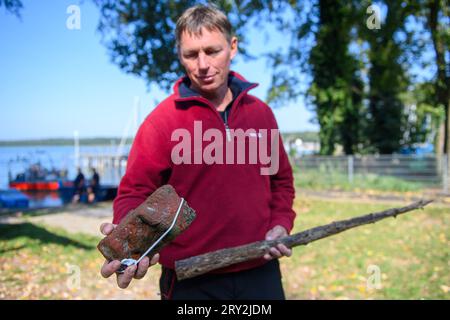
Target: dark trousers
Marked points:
261	283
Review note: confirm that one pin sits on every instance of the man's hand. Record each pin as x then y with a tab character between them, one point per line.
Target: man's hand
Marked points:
136	272
280	250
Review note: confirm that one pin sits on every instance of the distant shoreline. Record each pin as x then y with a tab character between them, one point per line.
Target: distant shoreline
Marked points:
63	142
309	136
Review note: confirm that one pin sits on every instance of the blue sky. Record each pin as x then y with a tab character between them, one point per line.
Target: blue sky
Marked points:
54	80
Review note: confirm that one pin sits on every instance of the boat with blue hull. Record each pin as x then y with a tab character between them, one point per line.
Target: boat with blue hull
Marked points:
13	199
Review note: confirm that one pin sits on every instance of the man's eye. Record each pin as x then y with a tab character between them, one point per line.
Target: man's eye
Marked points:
190	56
212	52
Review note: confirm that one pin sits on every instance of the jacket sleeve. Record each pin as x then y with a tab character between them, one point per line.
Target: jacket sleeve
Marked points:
282	188
148	162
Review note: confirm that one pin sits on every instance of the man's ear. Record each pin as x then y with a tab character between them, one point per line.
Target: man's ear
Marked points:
234	47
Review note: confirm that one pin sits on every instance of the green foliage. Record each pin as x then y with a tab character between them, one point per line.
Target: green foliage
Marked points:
363	114
387	79
306	136
321	36
140	34
357	94
423	117
437	11
336	89
12	6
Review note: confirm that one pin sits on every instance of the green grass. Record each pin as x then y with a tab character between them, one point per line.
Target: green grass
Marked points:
34	259
43	241
317	180
412	253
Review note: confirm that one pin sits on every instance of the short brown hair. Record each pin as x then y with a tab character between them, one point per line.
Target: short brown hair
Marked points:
200	16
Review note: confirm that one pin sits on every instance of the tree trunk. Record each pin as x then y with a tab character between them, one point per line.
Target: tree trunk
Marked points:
443	80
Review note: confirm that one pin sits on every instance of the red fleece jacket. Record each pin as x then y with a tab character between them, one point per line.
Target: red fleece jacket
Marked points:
235	203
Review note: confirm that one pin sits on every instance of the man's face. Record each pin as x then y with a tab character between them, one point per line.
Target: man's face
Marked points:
206	59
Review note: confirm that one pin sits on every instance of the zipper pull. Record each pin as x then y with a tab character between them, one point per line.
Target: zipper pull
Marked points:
227	129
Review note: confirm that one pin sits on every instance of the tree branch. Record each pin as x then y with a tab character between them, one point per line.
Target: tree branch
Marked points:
204	263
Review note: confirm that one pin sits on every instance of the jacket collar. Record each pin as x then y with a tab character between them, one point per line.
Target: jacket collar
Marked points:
236	82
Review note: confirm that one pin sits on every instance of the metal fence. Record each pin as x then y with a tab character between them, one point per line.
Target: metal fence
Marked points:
429	170
110	167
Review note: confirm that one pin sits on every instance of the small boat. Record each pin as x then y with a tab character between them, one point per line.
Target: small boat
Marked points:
39	185
49	187
13	199
38	178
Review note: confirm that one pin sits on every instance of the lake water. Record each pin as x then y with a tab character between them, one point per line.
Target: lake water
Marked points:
16	159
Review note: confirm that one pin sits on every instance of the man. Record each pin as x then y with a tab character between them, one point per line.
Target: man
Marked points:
235	203
79	186
93	186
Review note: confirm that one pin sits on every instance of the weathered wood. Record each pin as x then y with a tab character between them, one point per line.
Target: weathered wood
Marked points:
195	266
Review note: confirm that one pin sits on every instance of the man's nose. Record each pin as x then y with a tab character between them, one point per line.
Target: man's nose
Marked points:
202	61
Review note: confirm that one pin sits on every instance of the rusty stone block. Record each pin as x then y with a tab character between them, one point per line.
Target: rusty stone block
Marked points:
144	225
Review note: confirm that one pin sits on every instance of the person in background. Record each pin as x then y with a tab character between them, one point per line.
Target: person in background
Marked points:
79	185
93	186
